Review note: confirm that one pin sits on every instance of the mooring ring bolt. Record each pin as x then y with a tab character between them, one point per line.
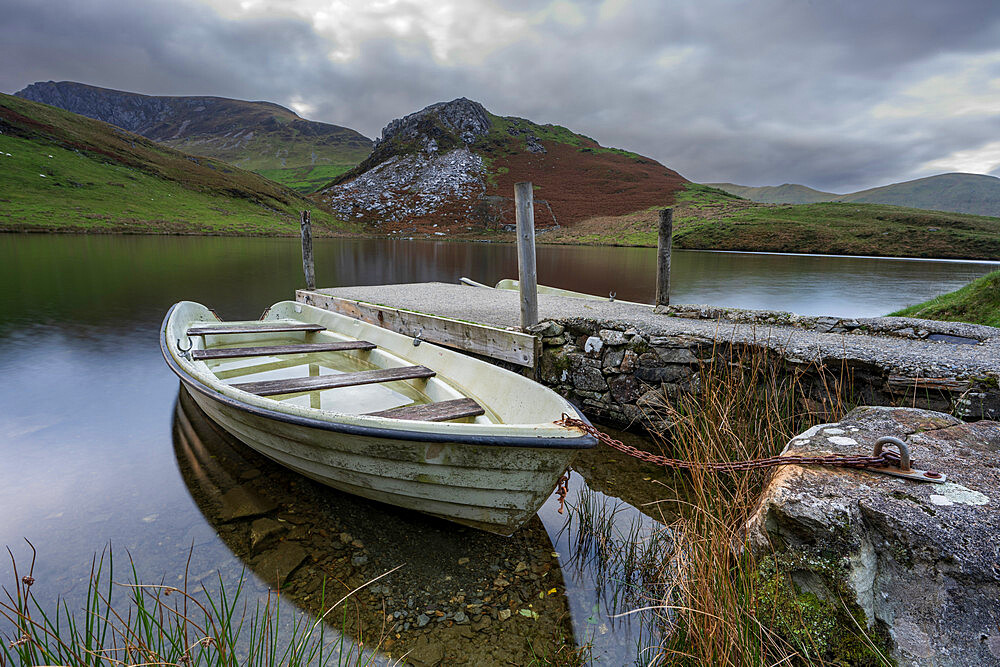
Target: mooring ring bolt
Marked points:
417	340
904	450
612	295
185	352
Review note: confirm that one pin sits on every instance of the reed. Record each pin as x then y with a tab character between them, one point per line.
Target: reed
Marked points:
725	606
155	624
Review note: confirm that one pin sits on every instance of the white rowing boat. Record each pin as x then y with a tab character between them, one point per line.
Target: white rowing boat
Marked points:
375	413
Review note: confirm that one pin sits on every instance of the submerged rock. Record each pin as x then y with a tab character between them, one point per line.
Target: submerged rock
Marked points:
920	560
277	564
242	502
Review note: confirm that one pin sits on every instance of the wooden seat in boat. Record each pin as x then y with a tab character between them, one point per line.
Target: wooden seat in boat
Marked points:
243	328
434	412
319	382
273	350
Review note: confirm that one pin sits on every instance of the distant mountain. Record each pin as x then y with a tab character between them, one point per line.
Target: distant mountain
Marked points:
958	193
788	193
64	172
962	193
258	136
451	167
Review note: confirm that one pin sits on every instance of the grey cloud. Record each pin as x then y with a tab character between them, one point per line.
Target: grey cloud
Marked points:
760	92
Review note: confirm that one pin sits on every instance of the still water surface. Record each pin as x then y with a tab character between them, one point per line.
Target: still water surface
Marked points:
98	448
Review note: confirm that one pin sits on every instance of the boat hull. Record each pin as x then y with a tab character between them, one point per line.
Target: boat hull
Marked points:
491	474
495	489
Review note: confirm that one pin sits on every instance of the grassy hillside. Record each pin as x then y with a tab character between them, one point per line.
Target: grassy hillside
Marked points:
789	193
964	193
64	172
257	136
978	302
706	218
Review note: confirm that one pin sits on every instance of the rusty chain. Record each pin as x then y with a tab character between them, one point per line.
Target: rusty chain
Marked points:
885	458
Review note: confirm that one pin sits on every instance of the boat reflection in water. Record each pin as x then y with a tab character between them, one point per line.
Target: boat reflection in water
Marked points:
459	593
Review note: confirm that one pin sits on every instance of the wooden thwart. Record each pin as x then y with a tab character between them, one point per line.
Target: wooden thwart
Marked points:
273	350
434	412
316	383
252	328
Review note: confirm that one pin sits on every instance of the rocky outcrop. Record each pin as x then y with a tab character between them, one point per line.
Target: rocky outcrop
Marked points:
421	165
464	118
920	561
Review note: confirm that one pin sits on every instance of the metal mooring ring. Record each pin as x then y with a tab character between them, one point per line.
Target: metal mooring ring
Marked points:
904	450
185	351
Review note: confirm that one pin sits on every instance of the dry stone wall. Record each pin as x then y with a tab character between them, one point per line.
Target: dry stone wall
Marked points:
620	373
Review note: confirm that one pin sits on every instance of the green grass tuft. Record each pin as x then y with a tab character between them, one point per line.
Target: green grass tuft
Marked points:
978	303
136	623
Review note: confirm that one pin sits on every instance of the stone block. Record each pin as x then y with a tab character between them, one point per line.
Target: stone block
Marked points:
624	388
629	361
593	345
546	329
652	398
613	360
588	378
921	561
676	355
612	337
669	373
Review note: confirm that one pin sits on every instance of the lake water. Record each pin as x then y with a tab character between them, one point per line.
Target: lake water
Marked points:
98	449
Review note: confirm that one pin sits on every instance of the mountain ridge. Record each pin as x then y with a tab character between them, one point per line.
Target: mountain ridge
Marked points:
977	194
258	136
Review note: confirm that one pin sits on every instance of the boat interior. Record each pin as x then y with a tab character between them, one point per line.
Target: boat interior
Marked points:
307	365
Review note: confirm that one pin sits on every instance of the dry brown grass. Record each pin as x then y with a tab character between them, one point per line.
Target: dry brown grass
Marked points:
744	410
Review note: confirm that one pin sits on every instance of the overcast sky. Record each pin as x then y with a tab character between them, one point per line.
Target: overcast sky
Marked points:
835	94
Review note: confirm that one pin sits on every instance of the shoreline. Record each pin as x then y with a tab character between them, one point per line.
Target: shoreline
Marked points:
318	233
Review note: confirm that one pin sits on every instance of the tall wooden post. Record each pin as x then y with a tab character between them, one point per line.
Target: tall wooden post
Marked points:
308	267
526	273
663	257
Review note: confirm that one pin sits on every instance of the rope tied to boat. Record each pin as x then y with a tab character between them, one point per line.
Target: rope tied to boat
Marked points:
882	460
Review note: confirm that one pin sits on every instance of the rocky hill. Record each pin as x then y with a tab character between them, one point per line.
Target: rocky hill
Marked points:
977	194
258	136
451	168
64	172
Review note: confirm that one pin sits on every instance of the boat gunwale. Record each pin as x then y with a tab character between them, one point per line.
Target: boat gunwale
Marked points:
583	441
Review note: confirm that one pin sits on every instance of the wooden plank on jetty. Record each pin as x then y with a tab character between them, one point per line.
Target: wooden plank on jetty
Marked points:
493	342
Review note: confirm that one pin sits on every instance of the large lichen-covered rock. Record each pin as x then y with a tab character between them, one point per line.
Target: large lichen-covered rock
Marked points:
920	560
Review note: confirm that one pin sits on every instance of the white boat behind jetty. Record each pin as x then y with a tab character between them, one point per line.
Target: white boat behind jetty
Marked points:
513	285
375	413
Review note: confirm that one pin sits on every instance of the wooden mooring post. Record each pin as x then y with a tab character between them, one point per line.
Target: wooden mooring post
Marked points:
527	276
308	266
663	248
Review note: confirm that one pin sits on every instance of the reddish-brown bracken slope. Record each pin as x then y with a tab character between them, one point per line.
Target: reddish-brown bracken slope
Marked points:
580	184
